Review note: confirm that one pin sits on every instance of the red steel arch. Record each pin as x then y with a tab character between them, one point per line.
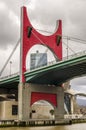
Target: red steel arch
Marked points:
34	38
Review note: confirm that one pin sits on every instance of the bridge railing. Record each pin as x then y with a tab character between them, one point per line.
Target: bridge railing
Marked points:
82	53
63	59
49	63
9	76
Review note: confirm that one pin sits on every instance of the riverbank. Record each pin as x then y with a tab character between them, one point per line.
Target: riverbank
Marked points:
33	123
78	121
6	123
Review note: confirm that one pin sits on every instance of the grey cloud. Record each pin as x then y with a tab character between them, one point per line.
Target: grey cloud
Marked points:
71	13
43	14
77	18
46	12
9	32
79	81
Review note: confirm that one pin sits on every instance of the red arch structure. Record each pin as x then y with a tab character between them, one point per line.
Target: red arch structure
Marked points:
50	97
31	37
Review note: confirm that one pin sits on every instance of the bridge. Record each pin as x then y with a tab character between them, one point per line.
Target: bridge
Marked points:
46	82
56	73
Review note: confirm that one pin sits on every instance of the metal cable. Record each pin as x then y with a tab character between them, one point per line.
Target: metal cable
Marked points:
9	57
44	45
66	37
69	48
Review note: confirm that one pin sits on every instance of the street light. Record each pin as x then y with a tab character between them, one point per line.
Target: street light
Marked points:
10	67
67	47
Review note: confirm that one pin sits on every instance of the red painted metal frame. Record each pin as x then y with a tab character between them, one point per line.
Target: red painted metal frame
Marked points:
51	98
49	41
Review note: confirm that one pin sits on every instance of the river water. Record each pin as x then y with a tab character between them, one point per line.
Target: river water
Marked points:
81	126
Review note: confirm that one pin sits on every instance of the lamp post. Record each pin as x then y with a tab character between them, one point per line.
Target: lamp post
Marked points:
67	47
10	67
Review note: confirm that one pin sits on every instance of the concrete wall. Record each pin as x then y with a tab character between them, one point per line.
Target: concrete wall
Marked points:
6	110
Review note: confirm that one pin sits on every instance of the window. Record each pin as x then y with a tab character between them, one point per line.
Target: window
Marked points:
14	109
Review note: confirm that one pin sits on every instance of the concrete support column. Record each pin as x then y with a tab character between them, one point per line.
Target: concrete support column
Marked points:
24	96
59	110
72	106
20	101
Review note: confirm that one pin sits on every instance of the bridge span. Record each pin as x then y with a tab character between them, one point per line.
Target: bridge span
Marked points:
54	74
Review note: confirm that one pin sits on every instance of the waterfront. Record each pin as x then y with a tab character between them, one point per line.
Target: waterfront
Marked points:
81	126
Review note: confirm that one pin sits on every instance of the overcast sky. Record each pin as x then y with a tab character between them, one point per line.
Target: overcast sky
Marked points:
43	15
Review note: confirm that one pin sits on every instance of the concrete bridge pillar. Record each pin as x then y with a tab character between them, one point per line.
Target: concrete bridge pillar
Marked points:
20	101
23	102
72	106
31	93
59	110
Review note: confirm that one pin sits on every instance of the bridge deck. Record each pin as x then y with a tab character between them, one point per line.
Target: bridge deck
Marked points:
54	74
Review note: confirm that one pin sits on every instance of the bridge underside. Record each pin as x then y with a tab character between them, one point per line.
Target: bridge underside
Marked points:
58	76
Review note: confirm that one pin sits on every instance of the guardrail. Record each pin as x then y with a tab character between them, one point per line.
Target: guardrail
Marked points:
9	76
